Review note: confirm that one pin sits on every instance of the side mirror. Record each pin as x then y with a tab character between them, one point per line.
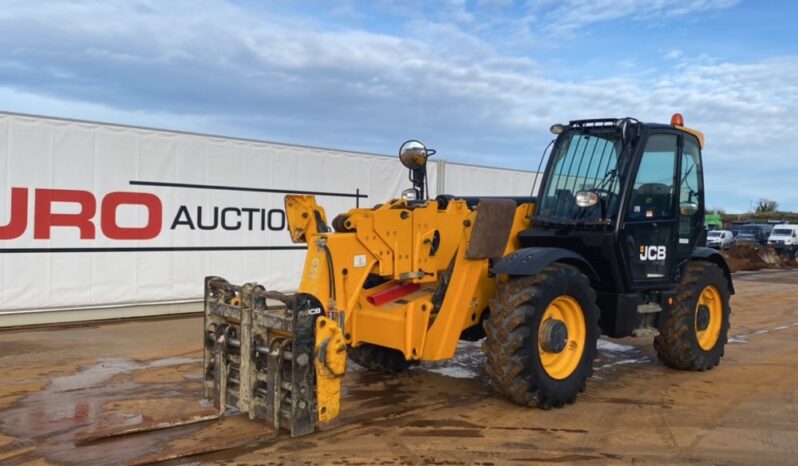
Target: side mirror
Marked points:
688	208
413	154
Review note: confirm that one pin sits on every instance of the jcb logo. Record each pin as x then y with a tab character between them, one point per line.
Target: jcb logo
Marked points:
652	253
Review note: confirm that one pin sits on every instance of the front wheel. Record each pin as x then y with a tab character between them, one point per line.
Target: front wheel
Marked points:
693	334
541	337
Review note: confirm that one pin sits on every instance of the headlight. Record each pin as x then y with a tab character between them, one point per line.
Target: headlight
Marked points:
410	194
586	198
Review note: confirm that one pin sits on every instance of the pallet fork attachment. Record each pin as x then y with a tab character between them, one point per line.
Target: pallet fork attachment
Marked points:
277	363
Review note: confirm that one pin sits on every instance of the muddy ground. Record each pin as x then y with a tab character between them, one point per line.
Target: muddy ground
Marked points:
57	382
750	257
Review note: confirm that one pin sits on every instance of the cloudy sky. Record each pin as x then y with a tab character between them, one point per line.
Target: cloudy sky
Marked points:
479	80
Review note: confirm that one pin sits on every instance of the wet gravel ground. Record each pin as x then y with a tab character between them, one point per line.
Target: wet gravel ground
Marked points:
58	382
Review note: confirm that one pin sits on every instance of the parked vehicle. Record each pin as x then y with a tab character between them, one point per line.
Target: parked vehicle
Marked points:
713	221
754	233
784	237
735	228
720	239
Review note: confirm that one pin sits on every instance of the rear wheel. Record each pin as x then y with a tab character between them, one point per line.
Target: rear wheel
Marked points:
693	334
379	358
541	337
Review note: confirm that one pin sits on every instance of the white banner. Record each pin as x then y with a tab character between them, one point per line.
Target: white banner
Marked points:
96	215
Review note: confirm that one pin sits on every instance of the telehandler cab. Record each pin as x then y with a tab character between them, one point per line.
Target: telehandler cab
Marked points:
613	245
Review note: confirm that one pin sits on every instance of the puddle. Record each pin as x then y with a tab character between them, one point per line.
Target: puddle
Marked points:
612	355
455	372
467	362
743	338
105	369
49	419
607	346
622	362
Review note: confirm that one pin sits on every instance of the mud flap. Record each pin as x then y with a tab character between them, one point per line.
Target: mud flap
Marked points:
491	229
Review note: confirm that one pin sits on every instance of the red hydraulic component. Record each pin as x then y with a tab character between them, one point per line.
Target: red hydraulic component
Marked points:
392	293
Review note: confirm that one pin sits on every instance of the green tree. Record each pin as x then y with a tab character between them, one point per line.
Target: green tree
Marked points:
766	205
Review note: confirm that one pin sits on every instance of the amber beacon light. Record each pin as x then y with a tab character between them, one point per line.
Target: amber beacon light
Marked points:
677	119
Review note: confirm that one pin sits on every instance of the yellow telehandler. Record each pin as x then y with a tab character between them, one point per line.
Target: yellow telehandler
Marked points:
612	244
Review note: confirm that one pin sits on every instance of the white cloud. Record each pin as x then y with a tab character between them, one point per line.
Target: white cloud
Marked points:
216	67
572	15
674	54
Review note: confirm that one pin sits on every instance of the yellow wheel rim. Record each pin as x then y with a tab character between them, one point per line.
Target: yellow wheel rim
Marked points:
710	298
560	365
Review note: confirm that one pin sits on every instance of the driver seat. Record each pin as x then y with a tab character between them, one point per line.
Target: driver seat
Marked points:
653	196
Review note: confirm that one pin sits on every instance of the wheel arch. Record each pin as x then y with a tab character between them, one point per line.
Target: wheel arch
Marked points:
532	261
713	256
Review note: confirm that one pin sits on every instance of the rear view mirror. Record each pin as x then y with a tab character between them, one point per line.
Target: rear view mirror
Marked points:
413	154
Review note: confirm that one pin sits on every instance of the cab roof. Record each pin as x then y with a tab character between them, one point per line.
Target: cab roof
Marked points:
610	122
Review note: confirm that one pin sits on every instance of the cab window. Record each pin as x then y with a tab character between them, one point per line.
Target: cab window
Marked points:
689	189
652	194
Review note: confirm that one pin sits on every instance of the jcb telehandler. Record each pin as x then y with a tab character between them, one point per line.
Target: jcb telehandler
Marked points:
612	245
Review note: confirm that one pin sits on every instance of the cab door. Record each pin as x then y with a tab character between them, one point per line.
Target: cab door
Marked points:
690	210
649	219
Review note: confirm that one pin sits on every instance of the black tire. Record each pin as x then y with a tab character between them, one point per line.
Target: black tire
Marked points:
677	344
379	359
511	345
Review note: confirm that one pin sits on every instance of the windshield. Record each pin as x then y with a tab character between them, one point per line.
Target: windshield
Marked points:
750	231
781	232
584	161
713	234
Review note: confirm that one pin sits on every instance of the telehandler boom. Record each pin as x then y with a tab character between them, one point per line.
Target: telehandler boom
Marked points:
612	245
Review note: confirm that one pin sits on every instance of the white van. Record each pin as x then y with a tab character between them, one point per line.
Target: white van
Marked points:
784	237
720	239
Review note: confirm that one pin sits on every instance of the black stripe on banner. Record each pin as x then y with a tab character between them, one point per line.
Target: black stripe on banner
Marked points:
152	249
357	195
